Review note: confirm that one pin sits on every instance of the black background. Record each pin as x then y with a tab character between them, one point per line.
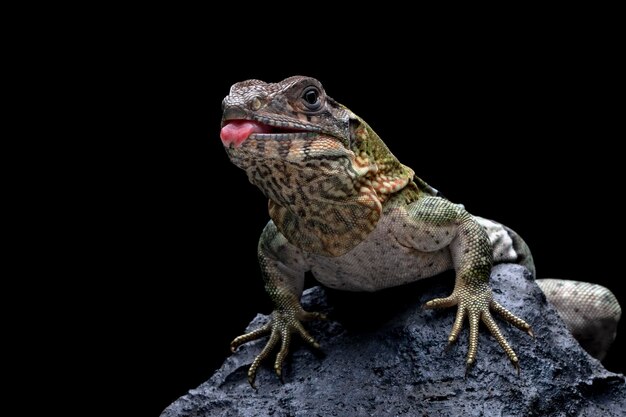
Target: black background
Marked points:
521	132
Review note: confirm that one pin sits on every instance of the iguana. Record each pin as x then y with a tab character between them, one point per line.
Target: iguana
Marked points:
343	207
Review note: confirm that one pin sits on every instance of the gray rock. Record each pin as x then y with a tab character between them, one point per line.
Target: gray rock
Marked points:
384	356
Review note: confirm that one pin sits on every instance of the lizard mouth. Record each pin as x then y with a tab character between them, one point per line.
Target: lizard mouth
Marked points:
236	131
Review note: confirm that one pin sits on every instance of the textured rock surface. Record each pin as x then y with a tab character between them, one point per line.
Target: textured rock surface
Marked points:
384	356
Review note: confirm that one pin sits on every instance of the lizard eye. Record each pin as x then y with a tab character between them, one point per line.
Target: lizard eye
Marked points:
311	97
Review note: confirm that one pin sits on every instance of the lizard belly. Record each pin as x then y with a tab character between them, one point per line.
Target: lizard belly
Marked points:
378	262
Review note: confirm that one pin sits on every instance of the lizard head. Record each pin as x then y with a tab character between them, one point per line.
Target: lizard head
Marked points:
324	170
290	114
296	125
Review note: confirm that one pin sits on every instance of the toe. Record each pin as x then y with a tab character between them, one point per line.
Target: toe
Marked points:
497	334
474	318
261	356
309	316
306	336
510	317
441	302
253	335
282	354
456	327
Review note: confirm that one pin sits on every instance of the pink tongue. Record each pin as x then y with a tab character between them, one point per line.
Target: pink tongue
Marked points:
236	131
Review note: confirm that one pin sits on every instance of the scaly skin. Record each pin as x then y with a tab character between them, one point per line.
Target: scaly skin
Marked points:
343	207
590	311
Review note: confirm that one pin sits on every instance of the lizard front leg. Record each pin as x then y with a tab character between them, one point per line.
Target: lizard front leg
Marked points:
283	268
434	223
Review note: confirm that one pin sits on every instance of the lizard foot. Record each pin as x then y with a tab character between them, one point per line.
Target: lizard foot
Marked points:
280	328
476	305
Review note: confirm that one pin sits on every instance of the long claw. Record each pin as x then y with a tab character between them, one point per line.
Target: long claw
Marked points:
279	373
468	368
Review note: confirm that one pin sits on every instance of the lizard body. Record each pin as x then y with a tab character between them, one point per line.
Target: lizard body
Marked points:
345	208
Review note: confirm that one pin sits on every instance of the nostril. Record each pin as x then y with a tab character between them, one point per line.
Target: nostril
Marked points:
223	103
